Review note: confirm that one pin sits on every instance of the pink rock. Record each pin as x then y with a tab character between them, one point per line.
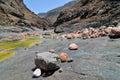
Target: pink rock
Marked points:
52	51
107	31
76	35
69	36
73	46
77	32
93	35
85	31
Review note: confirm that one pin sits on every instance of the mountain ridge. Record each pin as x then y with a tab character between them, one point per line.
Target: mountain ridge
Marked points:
54	13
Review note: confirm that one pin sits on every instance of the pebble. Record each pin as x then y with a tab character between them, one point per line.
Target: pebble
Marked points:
37	72
73	46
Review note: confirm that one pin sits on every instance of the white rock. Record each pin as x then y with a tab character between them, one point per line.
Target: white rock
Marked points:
37	72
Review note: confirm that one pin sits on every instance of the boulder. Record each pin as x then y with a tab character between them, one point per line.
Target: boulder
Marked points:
47	61
73	46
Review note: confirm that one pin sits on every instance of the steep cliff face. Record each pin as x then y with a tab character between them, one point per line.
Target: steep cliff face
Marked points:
88	13
14	12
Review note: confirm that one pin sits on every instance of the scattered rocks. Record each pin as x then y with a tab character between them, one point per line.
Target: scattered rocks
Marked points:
73	46
37	72
89	33
47	61
63	57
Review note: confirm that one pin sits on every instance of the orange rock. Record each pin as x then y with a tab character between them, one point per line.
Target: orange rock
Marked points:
73	46
64	57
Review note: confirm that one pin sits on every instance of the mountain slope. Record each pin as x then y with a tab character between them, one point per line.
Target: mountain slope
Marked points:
88	13
54	13
14	12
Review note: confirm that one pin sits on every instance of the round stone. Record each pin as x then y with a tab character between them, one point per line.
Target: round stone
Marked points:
64	57
37	72
73	46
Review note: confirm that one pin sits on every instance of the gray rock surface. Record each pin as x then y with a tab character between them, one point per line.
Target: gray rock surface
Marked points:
47	61
96	59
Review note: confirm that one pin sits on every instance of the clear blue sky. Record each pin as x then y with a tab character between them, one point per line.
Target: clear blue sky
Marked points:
38	6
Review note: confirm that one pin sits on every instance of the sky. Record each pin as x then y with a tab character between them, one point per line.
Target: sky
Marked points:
39	6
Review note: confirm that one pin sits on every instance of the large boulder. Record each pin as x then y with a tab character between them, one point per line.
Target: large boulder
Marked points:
47	61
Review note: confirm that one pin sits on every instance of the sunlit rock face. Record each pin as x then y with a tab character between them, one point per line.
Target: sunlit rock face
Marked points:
88	13
14	12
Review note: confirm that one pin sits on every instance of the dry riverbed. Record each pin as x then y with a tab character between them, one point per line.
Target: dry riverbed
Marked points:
96	59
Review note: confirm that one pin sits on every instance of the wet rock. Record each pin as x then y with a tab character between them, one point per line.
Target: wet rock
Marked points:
63	57
47	61
73	46
37	72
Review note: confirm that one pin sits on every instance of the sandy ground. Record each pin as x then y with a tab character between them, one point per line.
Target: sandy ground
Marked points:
96	59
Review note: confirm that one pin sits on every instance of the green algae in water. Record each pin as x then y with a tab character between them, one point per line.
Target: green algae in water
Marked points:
11	45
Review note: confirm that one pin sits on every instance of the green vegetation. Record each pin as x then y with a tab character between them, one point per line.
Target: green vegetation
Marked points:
21	43
5	55
6	46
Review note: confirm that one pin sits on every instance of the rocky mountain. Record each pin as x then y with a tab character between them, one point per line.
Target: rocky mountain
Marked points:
54	13
14	12
88	13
